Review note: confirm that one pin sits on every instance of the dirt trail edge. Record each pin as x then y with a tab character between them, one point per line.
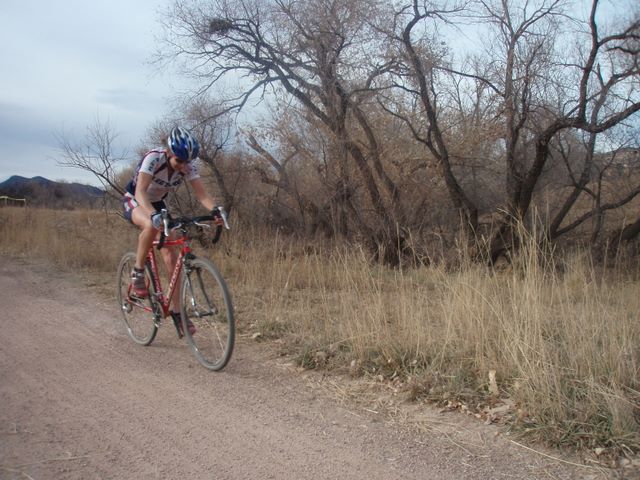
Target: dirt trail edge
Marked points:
79	400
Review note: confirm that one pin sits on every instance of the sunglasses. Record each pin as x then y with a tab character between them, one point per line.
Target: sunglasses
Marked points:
179	160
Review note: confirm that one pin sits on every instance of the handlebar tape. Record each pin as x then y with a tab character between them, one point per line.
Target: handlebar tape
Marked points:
202	218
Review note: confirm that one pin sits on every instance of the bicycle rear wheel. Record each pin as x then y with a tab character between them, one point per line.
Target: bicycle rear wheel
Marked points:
138	314
206	302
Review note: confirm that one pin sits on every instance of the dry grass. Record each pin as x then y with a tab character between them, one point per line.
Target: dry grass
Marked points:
81	239
564	347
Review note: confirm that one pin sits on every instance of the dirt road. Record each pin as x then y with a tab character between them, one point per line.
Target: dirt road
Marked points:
79	400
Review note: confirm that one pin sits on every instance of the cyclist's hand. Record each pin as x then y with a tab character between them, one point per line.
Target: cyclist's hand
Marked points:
217	214
220	216
156	220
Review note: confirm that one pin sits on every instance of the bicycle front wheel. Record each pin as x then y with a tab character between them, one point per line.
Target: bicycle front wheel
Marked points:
138	314
206	303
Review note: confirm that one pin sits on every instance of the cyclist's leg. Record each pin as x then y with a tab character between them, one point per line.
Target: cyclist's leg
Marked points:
170	258
136	215
146	237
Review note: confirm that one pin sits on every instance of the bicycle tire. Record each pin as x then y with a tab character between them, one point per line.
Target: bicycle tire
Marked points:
206	302
138	315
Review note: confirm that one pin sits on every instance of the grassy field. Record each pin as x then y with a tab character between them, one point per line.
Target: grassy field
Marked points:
557	346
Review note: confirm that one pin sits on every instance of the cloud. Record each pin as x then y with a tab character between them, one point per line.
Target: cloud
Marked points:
23	124
127	99
70	64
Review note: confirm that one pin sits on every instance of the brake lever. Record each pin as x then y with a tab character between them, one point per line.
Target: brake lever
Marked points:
165	221
223	215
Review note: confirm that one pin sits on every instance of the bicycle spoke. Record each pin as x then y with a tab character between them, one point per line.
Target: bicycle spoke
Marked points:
204	290
137	314
207	304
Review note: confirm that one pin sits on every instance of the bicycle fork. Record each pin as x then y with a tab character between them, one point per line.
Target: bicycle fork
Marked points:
197	309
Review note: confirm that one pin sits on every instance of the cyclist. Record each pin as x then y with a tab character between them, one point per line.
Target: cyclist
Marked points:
161	171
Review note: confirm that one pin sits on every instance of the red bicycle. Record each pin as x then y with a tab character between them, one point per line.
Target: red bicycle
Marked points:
204	297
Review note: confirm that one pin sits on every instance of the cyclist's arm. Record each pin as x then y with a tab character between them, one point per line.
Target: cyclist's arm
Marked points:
142	197
201	194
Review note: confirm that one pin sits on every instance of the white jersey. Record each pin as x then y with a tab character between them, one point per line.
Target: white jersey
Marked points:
155	163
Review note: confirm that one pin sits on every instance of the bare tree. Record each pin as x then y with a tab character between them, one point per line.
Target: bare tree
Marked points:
293	169
598	170
503	114
423	63
605	96
538	91
214	133
95	155
320	53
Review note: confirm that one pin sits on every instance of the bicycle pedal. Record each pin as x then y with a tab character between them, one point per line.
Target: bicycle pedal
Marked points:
127	307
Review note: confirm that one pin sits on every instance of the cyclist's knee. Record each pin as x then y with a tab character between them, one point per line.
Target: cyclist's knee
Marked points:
140	220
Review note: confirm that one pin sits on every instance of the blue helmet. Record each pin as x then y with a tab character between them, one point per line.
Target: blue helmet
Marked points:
183	145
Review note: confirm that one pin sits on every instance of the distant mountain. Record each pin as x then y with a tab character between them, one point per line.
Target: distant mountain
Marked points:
39	191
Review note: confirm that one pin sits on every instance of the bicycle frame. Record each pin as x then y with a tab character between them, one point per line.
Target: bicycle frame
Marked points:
184	242
185	250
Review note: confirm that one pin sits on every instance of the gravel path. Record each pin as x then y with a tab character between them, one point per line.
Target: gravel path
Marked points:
79	400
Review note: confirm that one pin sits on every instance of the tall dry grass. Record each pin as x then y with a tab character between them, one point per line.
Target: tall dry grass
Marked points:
75	239
562	340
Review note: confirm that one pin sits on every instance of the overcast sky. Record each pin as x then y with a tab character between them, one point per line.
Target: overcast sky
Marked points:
67	63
